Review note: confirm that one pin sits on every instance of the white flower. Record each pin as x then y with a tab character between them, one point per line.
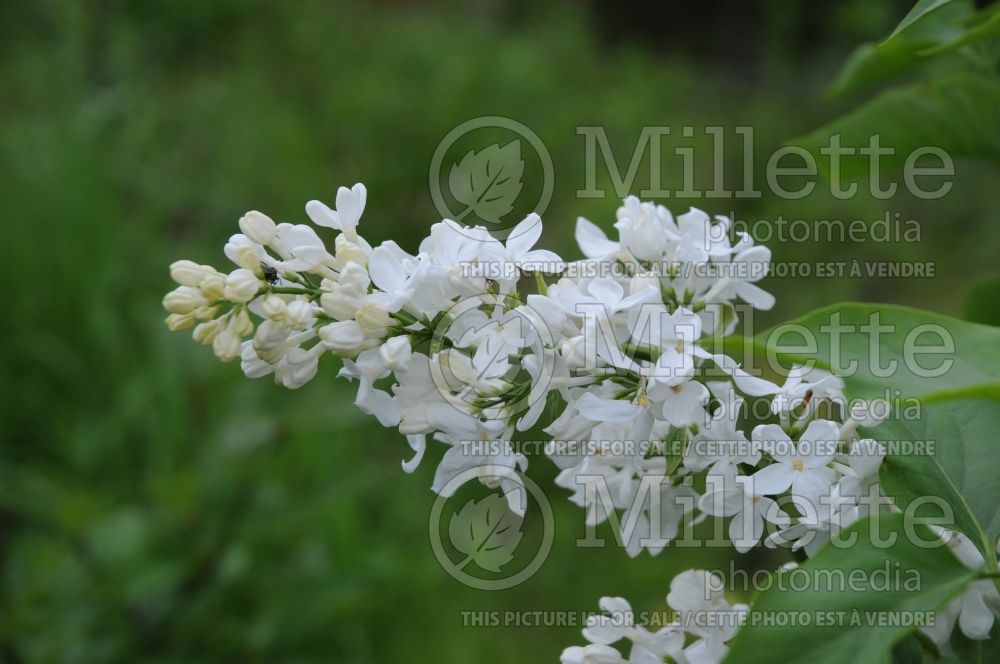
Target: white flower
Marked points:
481	448
350	206
674	335
736	497
697	597
806	387
592	654
370	366
801	466
618	622
643	229
306	250
297	367
592	240
977	608
518	251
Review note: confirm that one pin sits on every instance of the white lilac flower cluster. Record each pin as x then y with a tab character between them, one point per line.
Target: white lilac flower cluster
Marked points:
473	338
703	622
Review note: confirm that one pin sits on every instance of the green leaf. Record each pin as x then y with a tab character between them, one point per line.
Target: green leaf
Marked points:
912	43
488	182
924	9
982	304
921	580
959	114
962	471
967	651
486	531
986	26
885	347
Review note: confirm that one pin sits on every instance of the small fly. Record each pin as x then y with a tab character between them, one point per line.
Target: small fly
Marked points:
270	273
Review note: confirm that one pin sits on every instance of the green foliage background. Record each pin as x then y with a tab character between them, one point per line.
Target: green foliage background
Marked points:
157	506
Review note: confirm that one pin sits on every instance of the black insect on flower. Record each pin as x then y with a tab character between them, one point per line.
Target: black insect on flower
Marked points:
270	273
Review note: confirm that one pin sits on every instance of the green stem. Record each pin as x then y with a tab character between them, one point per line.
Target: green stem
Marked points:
543	288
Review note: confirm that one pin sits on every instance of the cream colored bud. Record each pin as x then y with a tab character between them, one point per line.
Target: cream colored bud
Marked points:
344	337
350	252
269	335
207	312
339	304
214	286
240	323
179	322
247	257
354	279
189	273
299	313
242	285
226	345
258	227
373	318
206	332
273	307
183	300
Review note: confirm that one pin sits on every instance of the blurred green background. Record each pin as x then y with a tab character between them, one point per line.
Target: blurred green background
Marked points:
155	505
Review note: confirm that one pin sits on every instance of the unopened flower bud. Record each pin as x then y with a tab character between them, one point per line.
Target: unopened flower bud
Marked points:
273	307
350	252
241	324
354	279
248	257
206	312
344	337
297	368
251	364
183	300
242	285
373	318
179	322
226	345
258	227
213	286
339	304
573	351
189	273
395	353
269	335
206	332
299	313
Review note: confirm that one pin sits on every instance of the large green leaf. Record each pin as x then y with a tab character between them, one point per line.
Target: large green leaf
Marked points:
839	638
959	114
923	30
963	470
973	359
982	303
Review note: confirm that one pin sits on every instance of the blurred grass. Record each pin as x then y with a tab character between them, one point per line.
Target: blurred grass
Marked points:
157	506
